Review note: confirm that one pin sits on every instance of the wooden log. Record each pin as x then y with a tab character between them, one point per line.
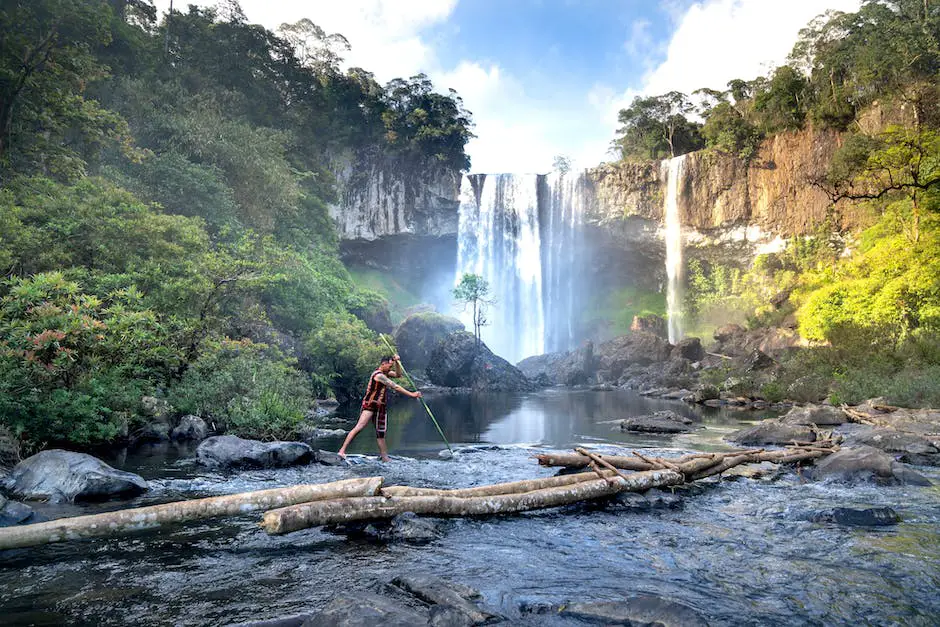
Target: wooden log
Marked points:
598	460
576	460
513	487
130	520
294	518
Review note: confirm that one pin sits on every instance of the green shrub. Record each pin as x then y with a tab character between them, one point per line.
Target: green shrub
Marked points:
344	352
244	388
73	366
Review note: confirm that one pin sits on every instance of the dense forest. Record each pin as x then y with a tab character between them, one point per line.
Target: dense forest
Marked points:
866	300
163	214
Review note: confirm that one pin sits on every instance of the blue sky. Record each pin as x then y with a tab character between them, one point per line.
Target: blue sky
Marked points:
547	77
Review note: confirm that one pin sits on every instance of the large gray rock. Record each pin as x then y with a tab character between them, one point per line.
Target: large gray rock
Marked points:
865	463
447	595
907	447
643	610
192	428
689	348
57	476
634	349
365	609
871	517
819	415
459	361
419	334
658	422
772	432
229	451
568	368
14	512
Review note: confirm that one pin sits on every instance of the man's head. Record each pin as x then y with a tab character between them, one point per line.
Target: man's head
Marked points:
386	364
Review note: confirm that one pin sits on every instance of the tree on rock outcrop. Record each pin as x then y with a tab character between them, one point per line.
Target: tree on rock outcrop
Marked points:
473	291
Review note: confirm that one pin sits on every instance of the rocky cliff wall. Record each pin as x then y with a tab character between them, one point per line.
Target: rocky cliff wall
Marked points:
380	198
721	196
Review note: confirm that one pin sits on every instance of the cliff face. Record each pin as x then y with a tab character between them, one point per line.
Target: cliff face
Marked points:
379	198
720	194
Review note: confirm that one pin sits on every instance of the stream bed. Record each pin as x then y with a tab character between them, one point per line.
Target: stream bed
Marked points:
738	552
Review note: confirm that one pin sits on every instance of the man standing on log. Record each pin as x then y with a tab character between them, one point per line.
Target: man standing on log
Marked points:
375	403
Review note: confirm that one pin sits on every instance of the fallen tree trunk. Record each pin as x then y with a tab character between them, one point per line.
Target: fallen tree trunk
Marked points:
130	520
513	487
294	518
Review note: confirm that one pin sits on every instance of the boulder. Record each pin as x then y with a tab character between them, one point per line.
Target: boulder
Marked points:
328	458
728	332
865	463
191	428
156	408
444	594
575	367
151	432
651	323
706	392
641	610
658	422
906	447
689	348
871	517
772	432
229	451
460	361
419	334
758	360
15	513
57	476
819	415
639	348
366	609
405	527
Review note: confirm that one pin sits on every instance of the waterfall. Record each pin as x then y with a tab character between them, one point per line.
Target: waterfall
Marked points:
673	235
520	233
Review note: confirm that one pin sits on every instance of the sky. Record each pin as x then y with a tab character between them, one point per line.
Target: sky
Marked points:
544	78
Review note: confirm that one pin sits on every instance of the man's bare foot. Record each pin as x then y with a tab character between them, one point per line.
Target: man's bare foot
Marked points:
386	458
341	454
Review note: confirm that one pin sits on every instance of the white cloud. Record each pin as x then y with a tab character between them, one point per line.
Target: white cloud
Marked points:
719	40
385	35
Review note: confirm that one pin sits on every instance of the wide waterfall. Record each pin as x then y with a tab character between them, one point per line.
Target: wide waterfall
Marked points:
520	233
673	235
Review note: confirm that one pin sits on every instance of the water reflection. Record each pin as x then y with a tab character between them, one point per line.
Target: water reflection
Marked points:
555	417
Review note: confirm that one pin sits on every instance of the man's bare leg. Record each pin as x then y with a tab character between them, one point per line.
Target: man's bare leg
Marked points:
364	419
383	450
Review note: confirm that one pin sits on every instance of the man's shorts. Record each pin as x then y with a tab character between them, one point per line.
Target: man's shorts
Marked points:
379	419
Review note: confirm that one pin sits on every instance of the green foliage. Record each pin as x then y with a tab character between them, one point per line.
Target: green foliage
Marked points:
73	366
782	105
48	123
657	127
727	130
473	291
244	388
343	353
618	308
398	296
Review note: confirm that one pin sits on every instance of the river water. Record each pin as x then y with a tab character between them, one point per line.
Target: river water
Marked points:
739	552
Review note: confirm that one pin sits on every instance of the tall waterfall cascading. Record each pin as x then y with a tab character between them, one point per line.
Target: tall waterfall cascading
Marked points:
498	239
673	236
568	194
520	233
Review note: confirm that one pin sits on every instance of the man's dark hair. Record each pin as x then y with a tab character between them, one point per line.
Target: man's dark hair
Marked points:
386	359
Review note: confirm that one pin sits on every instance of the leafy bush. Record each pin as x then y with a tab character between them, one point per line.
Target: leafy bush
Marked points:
73	366
343	353
244	388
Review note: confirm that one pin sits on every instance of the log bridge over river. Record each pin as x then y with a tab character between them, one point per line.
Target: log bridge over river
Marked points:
299	507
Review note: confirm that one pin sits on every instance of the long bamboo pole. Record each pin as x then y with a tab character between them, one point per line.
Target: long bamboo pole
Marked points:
423	402
296	517
130	520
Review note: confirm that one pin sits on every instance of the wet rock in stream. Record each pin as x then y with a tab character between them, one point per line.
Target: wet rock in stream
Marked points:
229	451
58	476
850	517
640	610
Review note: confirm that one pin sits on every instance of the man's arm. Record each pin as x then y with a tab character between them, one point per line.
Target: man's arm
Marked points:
384	380
396	370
